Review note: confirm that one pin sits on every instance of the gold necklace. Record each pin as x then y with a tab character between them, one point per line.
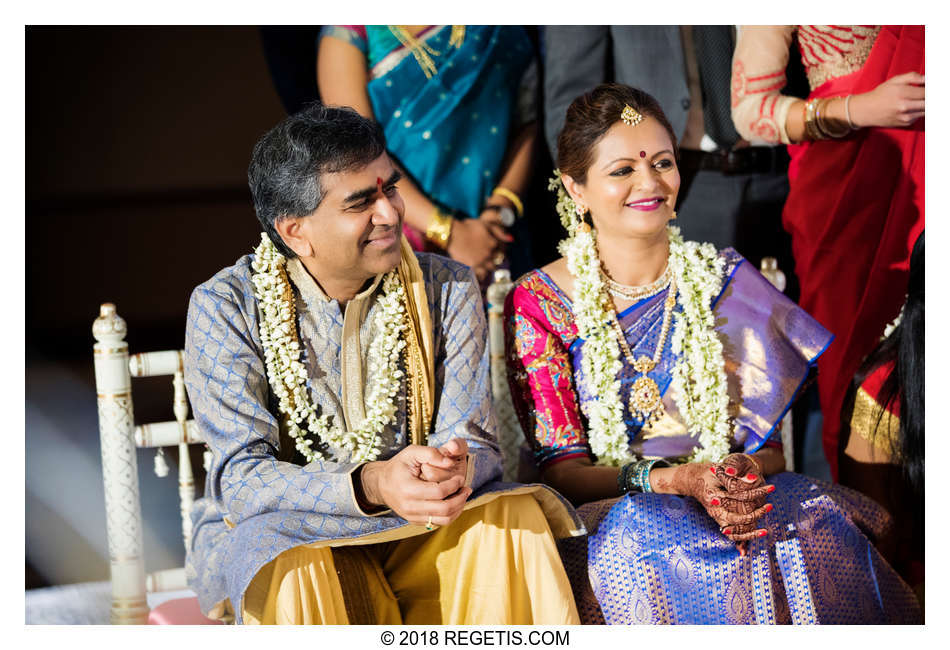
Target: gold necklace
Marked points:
645	400
638	292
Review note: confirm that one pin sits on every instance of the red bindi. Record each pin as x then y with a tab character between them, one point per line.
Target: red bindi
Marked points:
643	154
379	184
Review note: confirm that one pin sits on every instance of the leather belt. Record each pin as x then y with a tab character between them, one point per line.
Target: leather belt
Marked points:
746	160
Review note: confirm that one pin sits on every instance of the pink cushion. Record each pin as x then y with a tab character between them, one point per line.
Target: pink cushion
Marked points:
179	611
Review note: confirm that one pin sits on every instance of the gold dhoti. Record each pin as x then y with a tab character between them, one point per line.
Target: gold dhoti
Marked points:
496	564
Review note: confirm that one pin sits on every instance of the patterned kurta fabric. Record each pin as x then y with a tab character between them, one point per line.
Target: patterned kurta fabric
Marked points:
652	558
260	499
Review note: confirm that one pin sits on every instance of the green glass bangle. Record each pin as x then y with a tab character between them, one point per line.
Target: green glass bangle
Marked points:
641	477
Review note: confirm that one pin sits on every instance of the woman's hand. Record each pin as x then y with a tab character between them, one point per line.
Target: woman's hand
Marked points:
474	242
736	512
742	474
897	102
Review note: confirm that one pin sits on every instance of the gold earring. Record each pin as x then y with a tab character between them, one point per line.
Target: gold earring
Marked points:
629	116
674	215
582	212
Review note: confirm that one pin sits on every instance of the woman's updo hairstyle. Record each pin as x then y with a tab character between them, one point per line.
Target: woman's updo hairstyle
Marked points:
591	115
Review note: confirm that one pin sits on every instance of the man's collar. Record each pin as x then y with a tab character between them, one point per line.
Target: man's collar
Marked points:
311	291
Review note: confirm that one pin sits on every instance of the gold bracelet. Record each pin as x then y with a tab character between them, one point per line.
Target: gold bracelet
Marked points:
819	124
821	119
808	114
511	196
440	229
847	113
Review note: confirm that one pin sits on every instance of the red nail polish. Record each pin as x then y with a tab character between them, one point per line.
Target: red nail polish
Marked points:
727	531
731	471
768	507
712	468
763	533
771	489
714	502
751	477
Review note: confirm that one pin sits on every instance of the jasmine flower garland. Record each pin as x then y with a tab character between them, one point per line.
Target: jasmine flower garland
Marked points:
287	375
890	327
699	376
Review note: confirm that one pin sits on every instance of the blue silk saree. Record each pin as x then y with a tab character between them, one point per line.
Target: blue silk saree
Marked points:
652	558
450	129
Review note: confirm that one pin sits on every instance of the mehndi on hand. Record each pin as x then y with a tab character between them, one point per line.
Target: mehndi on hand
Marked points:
741	477
736	512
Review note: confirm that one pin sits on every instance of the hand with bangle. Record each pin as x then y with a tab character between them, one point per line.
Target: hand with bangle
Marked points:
479	243
440	228
895	103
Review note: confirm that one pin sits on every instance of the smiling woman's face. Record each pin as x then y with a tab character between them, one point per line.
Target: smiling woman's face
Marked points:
632	182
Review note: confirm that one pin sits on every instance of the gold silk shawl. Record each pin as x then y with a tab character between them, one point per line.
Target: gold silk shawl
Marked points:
419	347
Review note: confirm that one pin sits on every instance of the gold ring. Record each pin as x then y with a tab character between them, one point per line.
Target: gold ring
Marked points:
429	525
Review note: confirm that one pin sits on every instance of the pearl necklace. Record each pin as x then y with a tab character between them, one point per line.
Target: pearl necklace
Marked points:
637	292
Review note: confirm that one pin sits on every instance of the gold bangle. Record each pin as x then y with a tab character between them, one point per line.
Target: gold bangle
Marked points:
847	113
811	126
440	229
824	124
511	196
819	120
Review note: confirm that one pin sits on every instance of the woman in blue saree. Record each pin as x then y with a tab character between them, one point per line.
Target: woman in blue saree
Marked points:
457	106
652	375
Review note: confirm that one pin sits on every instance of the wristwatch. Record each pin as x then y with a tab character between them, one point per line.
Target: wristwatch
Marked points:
506	213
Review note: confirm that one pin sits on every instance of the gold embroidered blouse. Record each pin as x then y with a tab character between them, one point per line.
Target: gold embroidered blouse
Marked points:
759	109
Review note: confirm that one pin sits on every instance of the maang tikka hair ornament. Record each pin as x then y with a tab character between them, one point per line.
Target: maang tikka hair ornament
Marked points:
630	116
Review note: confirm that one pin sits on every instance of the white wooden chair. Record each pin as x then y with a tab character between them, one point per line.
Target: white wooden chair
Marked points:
137	597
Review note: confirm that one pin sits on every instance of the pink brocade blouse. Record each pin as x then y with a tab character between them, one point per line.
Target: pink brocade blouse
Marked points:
770	346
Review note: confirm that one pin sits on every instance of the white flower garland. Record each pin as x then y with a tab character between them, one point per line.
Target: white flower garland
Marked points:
288	376
699	377
890	327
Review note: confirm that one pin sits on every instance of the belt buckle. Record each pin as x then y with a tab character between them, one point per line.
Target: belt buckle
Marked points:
731	162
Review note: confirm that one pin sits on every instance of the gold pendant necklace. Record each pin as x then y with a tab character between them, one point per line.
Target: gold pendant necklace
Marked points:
646	403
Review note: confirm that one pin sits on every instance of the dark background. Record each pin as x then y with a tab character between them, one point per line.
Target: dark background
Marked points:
137	143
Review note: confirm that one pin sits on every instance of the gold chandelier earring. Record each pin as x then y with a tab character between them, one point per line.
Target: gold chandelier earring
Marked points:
582	212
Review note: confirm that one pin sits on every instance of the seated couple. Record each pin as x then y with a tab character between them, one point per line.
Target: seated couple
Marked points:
341	382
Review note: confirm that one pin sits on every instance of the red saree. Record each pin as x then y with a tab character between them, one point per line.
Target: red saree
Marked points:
854	210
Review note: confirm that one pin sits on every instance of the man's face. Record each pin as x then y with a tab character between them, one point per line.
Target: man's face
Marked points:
355	232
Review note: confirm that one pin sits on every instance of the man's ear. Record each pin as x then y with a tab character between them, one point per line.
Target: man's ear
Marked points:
291	231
